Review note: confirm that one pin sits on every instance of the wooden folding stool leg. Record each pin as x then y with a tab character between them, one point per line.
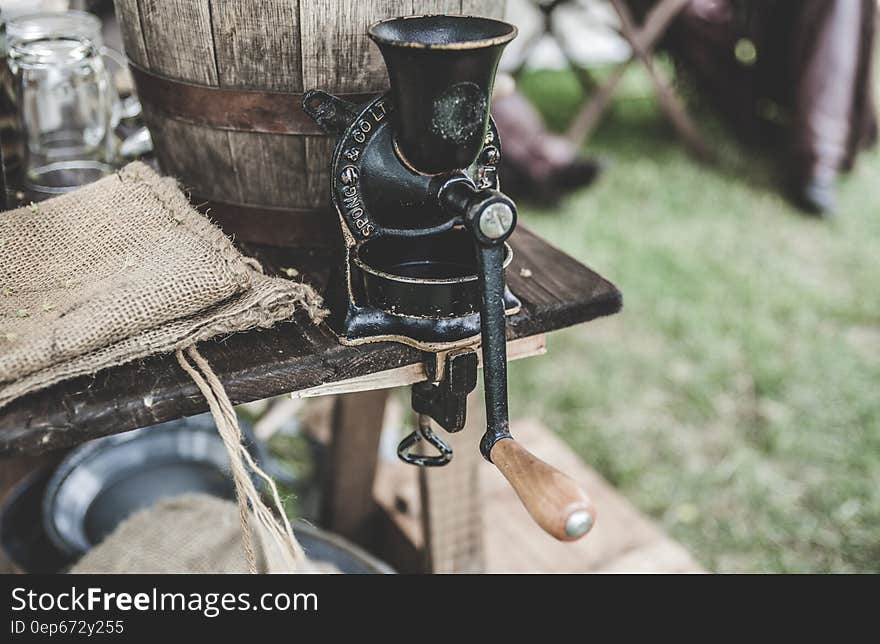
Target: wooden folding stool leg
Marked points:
670	104
642	40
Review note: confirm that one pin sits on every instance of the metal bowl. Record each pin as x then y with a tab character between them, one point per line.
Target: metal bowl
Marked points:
24	541
53	517
104	481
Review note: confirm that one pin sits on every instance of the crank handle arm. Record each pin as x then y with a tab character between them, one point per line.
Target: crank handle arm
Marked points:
554	500
556	503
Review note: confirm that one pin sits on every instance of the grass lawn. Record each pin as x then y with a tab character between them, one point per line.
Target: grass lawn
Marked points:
736	398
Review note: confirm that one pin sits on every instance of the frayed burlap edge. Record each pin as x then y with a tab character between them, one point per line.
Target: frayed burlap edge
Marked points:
270	301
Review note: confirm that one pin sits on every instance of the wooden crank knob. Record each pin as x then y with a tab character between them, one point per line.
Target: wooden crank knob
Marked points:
554	500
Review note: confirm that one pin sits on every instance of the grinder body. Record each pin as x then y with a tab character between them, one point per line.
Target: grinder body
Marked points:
414	181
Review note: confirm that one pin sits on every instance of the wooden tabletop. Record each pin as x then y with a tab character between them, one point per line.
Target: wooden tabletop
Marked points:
556	291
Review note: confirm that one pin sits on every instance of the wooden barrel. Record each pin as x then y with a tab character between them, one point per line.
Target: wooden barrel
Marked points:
221	82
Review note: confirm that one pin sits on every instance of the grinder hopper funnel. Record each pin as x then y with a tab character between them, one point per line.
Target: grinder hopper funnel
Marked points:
441	69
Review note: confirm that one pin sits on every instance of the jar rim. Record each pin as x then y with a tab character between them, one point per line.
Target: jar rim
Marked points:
49	52
44	24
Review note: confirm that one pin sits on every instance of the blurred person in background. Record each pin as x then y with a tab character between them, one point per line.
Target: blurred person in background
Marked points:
799	68
537	165
794	73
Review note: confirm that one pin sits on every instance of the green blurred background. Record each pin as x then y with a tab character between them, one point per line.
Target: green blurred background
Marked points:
736	398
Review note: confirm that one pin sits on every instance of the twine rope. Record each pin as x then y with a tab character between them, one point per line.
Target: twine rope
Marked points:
241	464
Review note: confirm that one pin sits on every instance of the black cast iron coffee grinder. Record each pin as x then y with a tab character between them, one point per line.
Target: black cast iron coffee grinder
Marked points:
415	184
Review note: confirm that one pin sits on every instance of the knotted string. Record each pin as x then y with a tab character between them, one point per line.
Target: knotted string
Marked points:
240	461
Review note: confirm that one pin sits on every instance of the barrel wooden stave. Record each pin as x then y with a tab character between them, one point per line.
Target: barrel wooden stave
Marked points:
272	45
248	34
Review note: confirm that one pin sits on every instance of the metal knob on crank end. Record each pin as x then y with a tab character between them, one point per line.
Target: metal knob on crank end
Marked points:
556	502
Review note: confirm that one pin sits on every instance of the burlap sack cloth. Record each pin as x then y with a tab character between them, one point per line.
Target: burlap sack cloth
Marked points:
192	533
122	269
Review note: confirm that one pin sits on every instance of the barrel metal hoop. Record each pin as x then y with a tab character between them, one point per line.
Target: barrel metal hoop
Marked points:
222	108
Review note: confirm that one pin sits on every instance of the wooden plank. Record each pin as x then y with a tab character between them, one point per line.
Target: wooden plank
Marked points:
351	464
620	528
663	555
178	39
624	540
555	288
337	54
200	157
258	44
556	291
129	19
410	374
271	170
